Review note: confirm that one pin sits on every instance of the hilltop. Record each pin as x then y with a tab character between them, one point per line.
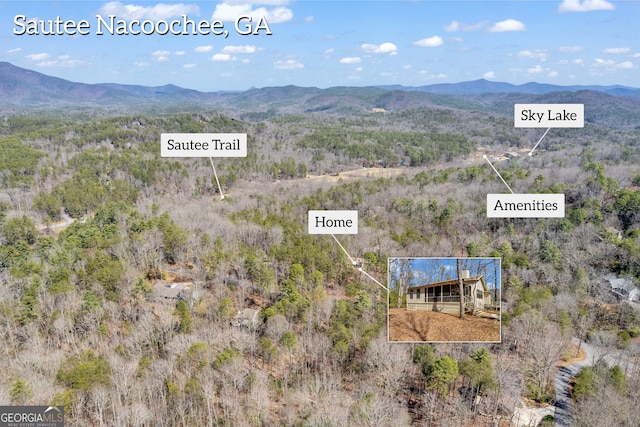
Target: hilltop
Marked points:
609	106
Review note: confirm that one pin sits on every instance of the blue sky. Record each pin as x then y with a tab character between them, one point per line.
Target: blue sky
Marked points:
430	270
338	43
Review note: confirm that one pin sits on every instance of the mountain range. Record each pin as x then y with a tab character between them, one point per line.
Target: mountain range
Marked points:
23	86
612	106
477	87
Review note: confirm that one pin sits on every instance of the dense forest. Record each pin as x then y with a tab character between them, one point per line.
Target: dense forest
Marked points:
277	327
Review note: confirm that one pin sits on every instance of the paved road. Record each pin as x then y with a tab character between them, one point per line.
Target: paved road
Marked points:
563	409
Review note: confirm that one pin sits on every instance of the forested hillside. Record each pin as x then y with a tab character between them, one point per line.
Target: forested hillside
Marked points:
275	326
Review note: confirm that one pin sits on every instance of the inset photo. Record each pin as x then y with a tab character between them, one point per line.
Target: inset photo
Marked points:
444	299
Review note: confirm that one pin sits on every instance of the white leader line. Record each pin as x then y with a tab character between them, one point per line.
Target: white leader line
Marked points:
371	277
344	250
499	176
353	263
217	180
539	141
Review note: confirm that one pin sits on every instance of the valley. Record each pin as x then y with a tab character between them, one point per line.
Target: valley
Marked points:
132	294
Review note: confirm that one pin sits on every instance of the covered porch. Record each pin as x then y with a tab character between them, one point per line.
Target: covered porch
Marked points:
445	297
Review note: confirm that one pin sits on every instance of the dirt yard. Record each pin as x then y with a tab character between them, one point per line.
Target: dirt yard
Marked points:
432	326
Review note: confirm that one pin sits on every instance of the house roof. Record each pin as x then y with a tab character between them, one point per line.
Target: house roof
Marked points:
623	286
472	279
172	290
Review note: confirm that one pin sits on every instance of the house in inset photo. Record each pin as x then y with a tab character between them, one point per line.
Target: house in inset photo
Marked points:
445	295
444	299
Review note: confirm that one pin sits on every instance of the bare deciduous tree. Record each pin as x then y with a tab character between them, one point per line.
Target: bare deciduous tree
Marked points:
460	286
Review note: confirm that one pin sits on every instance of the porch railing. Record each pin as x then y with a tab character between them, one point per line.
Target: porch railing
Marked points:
453	298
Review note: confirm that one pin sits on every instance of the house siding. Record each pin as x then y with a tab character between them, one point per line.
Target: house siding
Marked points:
417	297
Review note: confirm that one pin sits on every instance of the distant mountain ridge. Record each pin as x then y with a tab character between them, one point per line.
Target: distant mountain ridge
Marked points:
23	86
477	87
610	106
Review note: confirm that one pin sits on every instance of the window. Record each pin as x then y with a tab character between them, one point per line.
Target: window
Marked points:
479	294
418	291
411	294
446	290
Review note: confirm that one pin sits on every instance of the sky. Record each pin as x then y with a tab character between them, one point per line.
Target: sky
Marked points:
329	43
430	270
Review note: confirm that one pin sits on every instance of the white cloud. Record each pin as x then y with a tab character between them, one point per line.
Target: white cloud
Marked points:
161	55
222	57
578	61
179	53
277	15
489	75
12	51
434	41
427	75
617	50
359	69
207	48
625	65
329	51
600	66
63	61
389	48
38	56
350	60
309	19
539	54
47	63
536	70
507	25
599	62
157	12
461	26
453	27
570	49
188	66
230	11
584	6
240	49
553	74
289	64
267	2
